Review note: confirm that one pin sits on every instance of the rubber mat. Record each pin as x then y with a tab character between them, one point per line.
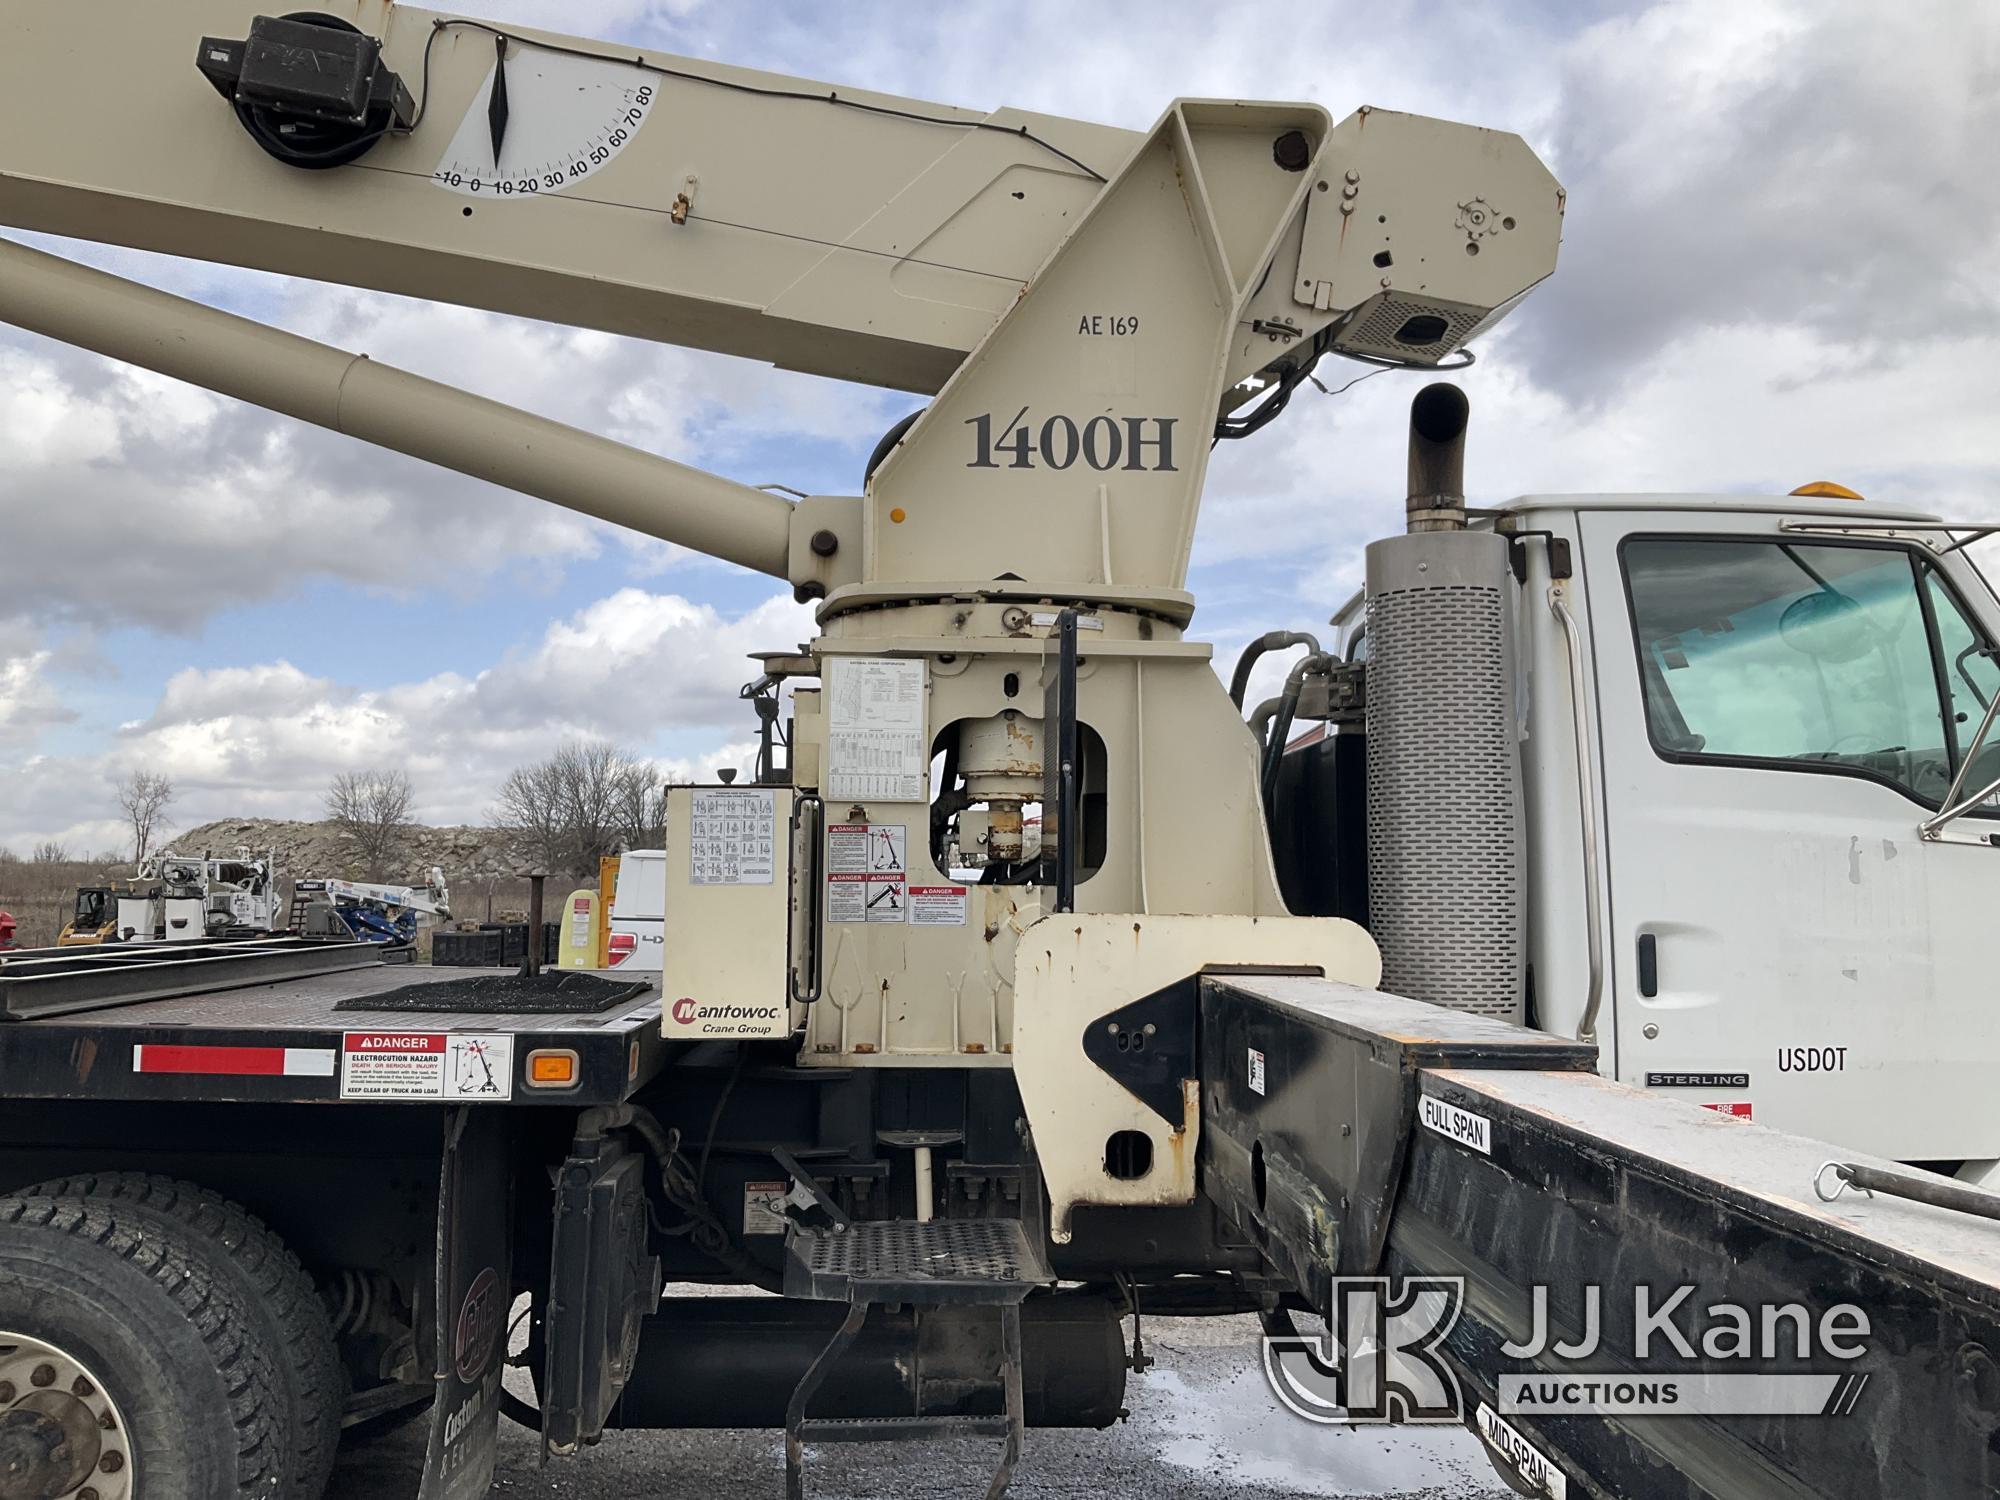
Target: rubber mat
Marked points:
508	995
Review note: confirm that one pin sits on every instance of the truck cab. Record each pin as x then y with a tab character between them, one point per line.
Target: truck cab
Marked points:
1780	697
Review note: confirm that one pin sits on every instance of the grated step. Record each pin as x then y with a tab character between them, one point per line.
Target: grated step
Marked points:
902	1260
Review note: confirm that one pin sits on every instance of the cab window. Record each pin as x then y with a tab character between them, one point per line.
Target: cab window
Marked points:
1837	657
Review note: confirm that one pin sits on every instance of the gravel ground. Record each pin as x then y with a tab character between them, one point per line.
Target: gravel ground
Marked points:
1203	1427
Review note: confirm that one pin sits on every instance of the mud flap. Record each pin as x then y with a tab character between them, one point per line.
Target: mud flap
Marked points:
474	1287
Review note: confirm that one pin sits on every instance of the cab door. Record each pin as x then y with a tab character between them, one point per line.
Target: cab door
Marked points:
1779	713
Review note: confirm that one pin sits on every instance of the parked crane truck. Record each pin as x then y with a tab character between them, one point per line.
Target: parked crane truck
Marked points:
374	912
964	1126
192	898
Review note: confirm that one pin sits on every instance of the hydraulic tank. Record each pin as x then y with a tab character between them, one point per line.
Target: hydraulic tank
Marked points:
735	1361
1444	771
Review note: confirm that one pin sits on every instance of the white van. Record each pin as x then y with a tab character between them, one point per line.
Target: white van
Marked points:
639	911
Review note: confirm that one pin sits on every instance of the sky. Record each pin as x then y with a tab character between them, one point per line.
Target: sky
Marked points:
1781	262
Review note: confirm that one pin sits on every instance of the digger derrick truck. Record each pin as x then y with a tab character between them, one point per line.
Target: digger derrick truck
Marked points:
178	898
984	1021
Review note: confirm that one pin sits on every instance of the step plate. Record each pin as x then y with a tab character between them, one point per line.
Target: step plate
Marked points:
901	1260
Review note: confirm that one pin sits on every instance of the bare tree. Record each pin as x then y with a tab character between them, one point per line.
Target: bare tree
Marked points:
580	804
50	852
642	806
145	797
373	809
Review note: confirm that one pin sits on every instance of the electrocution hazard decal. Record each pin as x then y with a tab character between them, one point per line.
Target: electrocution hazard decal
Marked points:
866	875
458	1066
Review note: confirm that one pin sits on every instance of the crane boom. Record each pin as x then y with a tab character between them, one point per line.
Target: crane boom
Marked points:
835	231
394	409
1089	303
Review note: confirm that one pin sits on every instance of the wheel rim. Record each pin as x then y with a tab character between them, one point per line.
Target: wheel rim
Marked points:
62	1436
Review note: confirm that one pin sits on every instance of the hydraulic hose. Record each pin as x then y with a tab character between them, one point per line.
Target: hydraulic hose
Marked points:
1260	726
705	1231
1281	725
1274	640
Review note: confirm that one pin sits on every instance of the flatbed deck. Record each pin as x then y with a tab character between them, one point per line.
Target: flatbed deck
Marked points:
288	1042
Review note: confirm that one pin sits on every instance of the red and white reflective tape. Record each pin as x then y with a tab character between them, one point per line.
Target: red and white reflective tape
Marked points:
246	1062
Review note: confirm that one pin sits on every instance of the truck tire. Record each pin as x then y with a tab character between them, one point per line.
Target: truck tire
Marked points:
278	1294
130	1360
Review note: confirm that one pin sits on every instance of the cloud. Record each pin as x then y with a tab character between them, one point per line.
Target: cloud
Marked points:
656	673
635	661
1123	62
194	697
130	499
133	499
1724	413
1824	167
28	702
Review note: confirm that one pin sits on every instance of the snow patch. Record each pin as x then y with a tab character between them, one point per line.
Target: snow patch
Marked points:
1238	1428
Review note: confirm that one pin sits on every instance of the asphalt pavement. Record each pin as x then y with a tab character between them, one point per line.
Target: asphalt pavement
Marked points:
1203	1426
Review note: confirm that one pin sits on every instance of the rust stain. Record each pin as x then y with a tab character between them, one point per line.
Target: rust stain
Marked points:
83	1058
864	1046
975	1046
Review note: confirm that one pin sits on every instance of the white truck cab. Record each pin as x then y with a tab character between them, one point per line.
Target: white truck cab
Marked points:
1779	696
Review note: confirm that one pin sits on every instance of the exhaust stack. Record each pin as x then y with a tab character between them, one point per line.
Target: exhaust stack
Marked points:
1436	499
1445	893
